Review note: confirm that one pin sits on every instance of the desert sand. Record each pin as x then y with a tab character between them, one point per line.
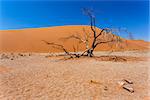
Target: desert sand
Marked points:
31	70
30	40
39	77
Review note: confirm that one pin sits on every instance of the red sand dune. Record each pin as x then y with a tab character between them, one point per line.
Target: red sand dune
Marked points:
30	40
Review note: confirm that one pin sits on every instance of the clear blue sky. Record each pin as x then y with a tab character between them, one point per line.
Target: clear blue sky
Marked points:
130	14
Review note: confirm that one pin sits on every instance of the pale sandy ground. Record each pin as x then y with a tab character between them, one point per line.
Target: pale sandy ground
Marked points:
36	77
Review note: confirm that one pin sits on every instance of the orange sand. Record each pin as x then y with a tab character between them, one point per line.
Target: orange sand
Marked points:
30	40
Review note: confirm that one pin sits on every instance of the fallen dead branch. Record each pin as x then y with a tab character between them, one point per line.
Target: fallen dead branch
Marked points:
128	88
95	82
119	58
128	81
126	84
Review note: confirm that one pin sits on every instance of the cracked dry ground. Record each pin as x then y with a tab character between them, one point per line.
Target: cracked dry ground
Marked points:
40	78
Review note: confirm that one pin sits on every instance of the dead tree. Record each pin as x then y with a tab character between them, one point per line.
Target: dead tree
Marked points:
103	36
96	40
96	36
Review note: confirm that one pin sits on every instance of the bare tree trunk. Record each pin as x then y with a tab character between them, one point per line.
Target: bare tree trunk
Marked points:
90	52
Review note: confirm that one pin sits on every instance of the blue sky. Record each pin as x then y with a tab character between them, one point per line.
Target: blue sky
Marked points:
130	14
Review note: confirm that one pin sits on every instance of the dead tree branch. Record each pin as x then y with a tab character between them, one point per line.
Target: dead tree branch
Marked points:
61	47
